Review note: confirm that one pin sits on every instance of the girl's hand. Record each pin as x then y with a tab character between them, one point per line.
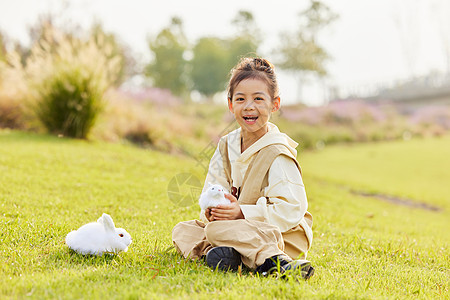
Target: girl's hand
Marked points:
208	215
227	212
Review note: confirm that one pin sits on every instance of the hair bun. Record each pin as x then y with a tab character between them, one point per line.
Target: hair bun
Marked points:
256	68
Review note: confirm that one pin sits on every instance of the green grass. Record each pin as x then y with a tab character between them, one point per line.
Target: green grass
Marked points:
417	169
363	247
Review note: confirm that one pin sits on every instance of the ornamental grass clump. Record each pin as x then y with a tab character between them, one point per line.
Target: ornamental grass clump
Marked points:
68	79
12	90
69	103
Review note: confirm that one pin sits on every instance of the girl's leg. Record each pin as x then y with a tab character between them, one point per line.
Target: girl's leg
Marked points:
296	243
255	241
190	240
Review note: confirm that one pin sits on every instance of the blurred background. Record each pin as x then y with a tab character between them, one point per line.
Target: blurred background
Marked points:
154	73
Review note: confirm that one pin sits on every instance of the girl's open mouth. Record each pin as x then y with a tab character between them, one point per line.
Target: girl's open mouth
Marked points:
250	119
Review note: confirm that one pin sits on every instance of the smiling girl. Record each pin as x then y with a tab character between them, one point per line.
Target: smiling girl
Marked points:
266	227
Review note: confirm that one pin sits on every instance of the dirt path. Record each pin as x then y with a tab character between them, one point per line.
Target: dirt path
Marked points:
399	201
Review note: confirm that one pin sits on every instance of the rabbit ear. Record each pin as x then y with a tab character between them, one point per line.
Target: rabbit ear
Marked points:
209	184
108	223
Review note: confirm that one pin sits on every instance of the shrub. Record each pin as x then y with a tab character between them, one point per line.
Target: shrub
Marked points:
70	102
438	115
10	113
69	77
12	92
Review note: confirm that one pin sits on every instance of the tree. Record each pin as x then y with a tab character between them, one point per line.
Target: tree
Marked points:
168	68
300	54
299	51
316	17
244	23
247	38
210	66
213	57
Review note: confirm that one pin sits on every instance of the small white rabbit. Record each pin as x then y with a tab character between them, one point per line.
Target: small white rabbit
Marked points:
99	237
213	196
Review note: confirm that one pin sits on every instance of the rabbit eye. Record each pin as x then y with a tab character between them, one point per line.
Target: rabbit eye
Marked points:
121	234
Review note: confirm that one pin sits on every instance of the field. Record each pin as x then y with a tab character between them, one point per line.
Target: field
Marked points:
381	213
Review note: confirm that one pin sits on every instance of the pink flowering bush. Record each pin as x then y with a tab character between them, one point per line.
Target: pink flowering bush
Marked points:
361	121
156	96
434	115
337	112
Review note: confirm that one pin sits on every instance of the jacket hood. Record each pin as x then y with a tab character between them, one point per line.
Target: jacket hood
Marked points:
273	136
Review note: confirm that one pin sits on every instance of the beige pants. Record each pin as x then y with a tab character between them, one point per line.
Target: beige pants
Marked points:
255	241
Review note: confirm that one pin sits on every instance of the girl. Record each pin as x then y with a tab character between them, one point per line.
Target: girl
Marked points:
266	226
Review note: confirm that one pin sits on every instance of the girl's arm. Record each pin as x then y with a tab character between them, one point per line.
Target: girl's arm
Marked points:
285	203
216	175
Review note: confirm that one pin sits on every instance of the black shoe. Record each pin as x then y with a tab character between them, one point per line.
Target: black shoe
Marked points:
283	263
223	258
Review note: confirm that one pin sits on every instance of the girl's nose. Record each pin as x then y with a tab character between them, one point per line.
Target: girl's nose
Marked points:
249	105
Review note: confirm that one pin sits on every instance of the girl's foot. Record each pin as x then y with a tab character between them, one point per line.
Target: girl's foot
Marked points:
283	263
223	258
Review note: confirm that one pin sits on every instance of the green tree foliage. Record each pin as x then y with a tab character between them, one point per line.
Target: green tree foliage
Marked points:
316	17
299	51
214	57
245	25
300	54
210	65
168	68
247	37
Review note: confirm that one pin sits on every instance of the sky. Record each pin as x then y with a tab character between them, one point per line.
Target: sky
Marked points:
372	43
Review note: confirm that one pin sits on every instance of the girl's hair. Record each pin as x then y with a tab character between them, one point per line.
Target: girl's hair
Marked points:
253	68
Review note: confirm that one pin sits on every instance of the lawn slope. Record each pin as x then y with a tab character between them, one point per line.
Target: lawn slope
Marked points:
363	247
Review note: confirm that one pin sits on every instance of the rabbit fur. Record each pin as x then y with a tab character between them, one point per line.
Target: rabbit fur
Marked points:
213	196
99	237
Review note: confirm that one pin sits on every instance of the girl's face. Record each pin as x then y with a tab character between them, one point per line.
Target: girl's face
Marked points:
252	104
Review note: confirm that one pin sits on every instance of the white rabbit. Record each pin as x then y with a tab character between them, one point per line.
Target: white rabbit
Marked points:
213	196
99	237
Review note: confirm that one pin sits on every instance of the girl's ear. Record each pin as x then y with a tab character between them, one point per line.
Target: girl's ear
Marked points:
230	104
276	104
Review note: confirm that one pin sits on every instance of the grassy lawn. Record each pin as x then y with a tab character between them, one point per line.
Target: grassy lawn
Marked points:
417	169
363	247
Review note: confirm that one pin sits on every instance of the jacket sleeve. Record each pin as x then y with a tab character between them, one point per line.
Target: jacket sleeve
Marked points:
285	203
216	175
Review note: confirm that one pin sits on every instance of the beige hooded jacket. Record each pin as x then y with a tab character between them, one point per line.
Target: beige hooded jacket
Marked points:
285	191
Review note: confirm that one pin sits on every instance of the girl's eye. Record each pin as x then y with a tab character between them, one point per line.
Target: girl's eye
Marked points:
239	99
259	98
